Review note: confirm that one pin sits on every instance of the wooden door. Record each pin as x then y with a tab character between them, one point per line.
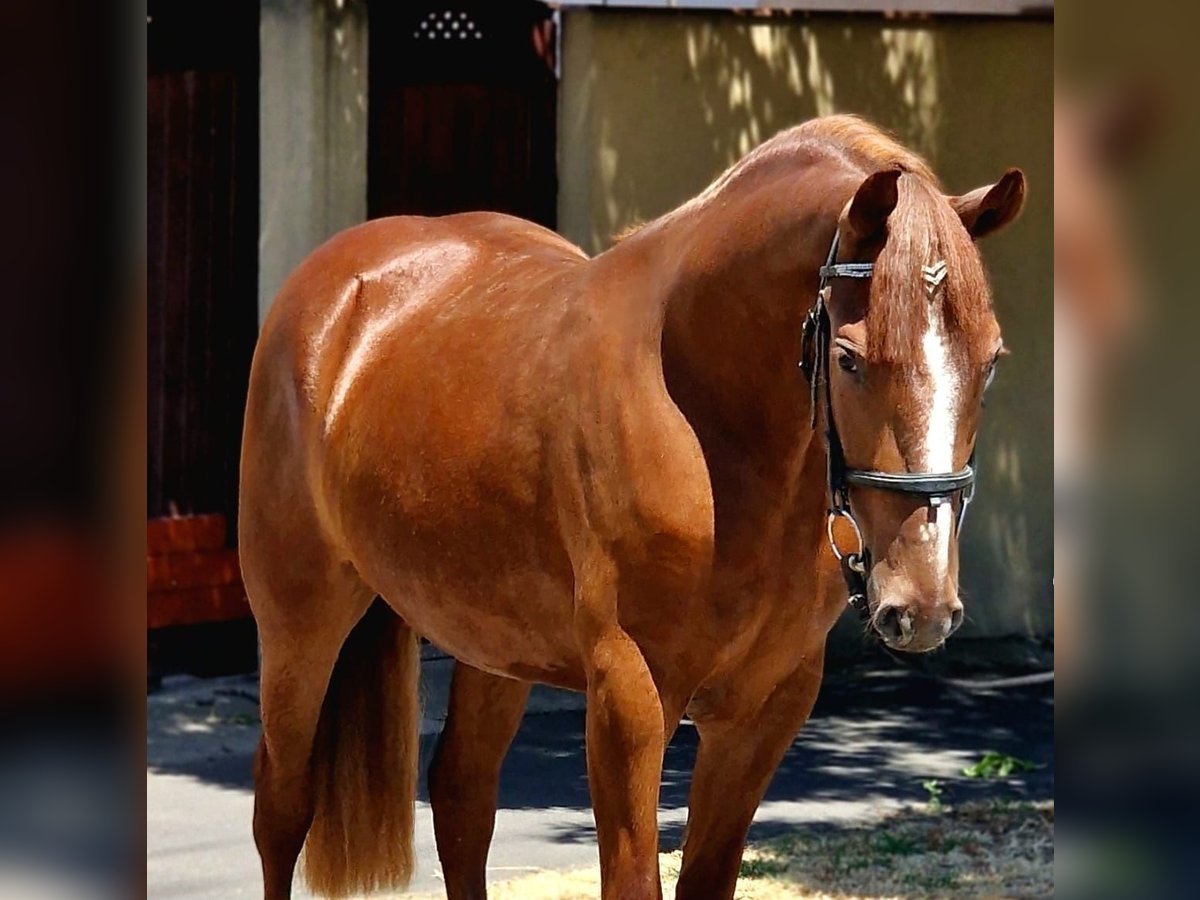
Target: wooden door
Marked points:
202	233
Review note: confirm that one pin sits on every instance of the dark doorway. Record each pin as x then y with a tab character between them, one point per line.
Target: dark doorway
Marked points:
462	109
202	239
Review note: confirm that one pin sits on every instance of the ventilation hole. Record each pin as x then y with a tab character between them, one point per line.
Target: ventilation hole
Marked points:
446	23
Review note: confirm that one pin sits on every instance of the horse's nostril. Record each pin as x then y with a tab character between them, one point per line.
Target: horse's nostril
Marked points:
956	618
894	624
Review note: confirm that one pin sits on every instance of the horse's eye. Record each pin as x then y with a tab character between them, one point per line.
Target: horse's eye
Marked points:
991	372
989	377
846	361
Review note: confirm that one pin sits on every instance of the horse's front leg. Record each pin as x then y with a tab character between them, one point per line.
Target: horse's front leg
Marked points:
625	740
738	755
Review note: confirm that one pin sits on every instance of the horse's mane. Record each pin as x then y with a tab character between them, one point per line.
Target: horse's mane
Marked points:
923	228
853	138
850	138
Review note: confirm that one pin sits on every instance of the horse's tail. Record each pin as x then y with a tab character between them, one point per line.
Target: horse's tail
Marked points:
365	762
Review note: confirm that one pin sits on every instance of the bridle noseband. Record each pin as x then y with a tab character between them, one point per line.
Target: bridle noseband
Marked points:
936	487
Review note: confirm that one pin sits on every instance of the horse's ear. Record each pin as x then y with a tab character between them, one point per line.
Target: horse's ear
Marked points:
873	202
990	208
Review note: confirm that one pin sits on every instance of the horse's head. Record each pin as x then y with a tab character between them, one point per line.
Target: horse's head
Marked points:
911	351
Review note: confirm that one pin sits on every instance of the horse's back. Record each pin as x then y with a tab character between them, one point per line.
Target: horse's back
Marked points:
416	260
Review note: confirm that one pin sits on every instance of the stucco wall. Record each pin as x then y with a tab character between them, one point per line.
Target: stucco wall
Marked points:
654	105
312	131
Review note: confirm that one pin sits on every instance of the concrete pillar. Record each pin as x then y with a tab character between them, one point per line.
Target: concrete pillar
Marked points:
312	130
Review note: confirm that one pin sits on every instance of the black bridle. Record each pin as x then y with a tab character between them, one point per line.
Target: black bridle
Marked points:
936	487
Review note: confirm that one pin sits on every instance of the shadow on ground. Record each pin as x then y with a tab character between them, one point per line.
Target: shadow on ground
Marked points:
874	738
869	741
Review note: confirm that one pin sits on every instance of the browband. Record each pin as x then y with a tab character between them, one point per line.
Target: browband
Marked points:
847	270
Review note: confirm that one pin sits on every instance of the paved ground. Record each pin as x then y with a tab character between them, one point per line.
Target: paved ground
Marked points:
875	736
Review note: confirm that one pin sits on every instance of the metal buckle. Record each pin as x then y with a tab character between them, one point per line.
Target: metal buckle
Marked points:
853	560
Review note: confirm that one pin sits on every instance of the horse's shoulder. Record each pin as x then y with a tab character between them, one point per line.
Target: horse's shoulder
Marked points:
631	465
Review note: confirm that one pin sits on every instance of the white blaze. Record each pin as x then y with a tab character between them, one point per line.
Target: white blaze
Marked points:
940	425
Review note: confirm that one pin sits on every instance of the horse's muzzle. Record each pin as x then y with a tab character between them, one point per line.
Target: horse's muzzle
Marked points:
916	627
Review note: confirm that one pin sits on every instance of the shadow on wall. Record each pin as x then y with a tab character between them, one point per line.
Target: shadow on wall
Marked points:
655	105
731	84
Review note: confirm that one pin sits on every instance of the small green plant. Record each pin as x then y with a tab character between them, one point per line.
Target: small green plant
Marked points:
896	844
994	764
933	788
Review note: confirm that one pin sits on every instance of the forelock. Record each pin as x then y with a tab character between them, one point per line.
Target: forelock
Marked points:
923	230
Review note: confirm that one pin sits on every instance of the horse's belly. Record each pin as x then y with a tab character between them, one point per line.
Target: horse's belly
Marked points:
487	607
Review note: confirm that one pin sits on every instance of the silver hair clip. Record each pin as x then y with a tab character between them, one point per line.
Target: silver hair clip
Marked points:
934	275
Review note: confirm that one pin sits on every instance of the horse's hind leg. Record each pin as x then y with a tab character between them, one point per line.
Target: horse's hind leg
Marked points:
464	777
305	608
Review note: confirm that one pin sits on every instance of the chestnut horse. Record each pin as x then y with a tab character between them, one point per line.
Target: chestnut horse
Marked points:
602	474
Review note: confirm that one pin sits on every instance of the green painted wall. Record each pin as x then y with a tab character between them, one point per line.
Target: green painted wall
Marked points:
654	105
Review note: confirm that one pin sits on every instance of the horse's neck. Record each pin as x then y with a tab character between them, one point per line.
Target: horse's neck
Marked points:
729	281
731	344
731	347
